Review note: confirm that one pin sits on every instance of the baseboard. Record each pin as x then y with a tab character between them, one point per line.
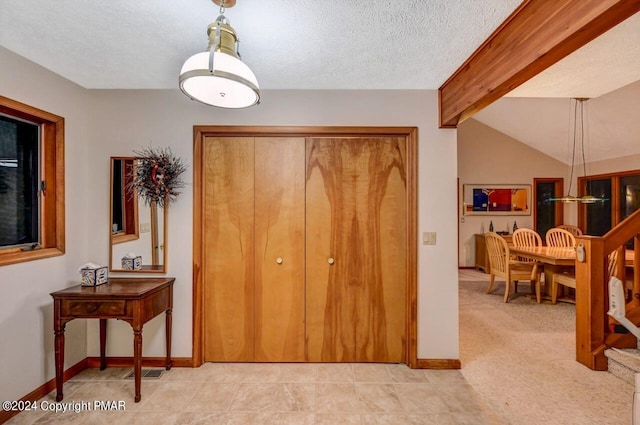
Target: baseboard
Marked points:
146	361
466	267
45	388
438	364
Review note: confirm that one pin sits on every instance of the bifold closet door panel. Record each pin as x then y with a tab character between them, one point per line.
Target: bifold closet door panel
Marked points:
356	249
279	230
228	269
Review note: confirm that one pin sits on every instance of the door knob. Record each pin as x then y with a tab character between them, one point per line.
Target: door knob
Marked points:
331	260
279	260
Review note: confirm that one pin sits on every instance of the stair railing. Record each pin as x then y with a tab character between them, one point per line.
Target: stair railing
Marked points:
593	334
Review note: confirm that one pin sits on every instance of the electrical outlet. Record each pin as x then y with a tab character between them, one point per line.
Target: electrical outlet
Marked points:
145	227
428	238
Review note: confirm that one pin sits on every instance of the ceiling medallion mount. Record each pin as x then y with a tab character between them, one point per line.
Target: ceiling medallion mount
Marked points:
218	77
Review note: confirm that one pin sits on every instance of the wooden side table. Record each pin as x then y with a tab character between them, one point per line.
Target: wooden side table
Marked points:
134	300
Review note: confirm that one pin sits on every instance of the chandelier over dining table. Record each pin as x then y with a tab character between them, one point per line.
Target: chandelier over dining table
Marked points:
578	136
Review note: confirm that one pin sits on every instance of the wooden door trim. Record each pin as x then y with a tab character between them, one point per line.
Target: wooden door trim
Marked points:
411	135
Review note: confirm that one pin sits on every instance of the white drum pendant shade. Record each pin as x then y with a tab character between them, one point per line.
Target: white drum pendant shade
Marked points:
231	84
218	77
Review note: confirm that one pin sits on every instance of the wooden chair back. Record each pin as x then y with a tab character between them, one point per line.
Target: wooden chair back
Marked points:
526	237
501	265
560	237
498	251
574	230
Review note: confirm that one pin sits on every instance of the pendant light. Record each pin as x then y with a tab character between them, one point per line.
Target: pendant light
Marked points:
218	77
588	198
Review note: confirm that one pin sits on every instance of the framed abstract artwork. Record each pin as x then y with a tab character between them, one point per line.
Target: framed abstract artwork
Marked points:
496	199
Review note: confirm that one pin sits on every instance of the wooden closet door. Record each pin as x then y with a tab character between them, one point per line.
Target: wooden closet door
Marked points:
356	249
228	269
279	217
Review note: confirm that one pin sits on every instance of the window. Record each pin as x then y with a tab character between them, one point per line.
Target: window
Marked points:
19	182
599	214
622	193
547	213
31	183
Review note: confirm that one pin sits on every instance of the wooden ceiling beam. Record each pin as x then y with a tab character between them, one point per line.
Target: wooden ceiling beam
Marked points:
537	34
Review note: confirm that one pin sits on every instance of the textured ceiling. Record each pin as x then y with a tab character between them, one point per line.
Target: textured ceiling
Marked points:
289	44
609	62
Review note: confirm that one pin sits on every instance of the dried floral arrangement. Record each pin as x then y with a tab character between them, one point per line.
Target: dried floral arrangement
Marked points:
157	176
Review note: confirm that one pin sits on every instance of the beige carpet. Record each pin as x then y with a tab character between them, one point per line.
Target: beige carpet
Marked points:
520	357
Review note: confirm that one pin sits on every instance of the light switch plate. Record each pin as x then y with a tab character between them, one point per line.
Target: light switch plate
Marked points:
145	227
428	238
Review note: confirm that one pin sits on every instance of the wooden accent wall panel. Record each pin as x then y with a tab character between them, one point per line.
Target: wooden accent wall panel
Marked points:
228	249
356	214
279	234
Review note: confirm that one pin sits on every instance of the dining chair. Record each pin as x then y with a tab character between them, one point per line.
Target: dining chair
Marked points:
523	237
568	279
526	237
560	238
511	271
574	230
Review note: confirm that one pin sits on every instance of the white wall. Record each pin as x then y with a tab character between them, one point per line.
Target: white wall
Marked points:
487	156
126	120
625	163
26	308
100	124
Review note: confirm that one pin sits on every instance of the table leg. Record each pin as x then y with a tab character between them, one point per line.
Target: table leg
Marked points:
168	337
137	361
103	341
548	275
549	270
59	356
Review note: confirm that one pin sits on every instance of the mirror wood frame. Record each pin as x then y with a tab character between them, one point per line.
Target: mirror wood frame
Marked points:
114	240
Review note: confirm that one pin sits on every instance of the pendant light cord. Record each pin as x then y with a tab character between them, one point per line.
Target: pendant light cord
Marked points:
584	160
573	155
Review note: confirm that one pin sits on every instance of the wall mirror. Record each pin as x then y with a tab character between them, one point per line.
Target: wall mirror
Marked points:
136	229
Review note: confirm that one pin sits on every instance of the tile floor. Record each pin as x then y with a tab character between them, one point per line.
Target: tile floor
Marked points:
244	393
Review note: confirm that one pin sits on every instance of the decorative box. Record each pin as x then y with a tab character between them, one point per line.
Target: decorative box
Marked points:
134	263
94	277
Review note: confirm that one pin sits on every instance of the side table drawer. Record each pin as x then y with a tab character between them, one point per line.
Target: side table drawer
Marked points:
93	308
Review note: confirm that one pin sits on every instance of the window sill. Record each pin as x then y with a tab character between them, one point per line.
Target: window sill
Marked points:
23	256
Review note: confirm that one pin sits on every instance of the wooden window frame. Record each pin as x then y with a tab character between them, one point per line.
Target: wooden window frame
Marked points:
52	230
615	195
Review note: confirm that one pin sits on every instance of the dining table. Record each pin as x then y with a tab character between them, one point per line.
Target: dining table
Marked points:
555	259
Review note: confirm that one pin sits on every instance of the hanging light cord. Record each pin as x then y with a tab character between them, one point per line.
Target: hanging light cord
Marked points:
584	161
573	155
